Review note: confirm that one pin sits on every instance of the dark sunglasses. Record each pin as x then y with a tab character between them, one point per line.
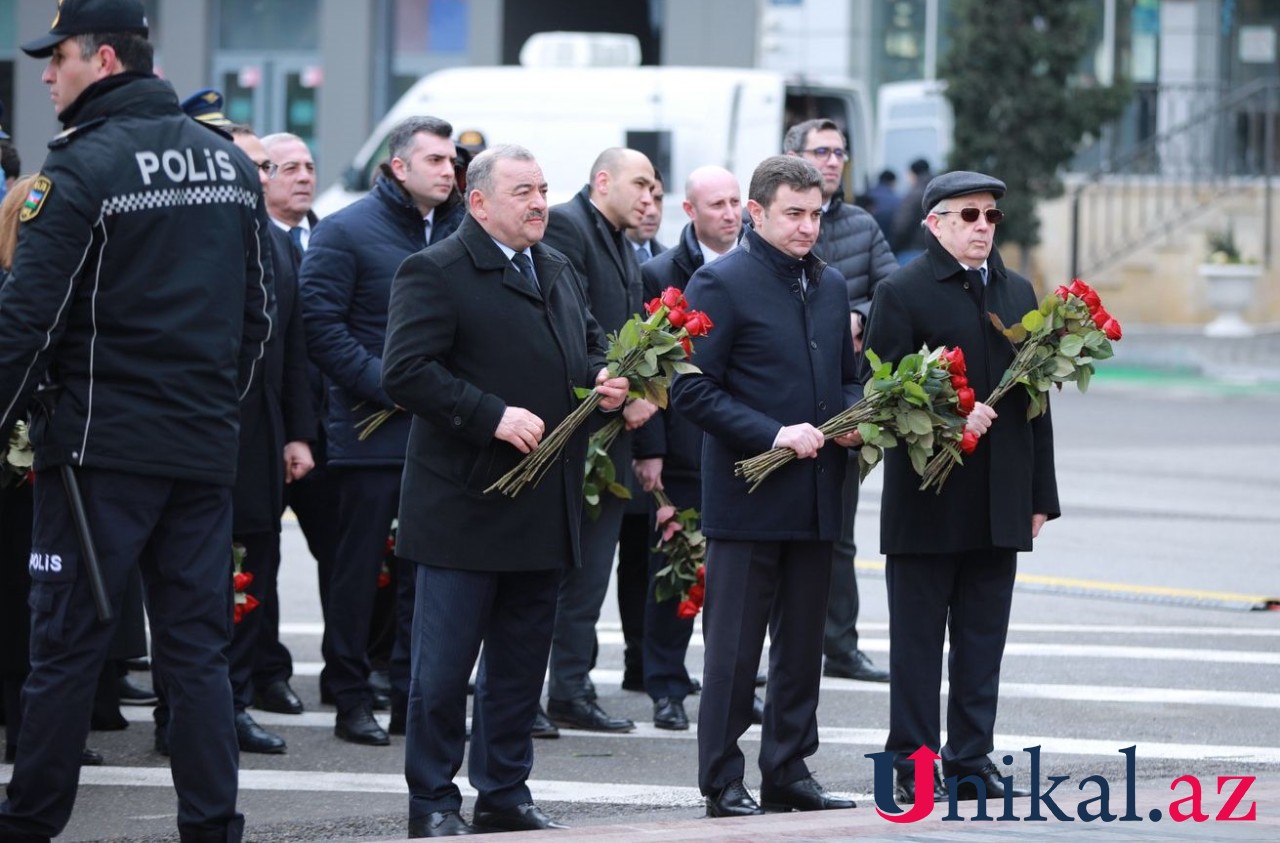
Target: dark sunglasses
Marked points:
993	215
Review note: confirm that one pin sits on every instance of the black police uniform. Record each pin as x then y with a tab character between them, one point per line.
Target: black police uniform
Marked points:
142	292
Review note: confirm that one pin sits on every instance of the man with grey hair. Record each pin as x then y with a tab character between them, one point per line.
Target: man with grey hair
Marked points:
489	335
851	241
779	362
345	280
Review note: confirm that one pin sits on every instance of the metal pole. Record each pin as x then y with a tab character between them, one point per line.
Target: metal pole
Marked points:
1075	234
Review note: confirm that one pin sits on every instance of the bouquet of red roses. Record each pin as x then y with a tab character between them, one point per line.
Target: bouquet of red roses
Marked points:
1057	343
911	403
648	352
685	548
240	580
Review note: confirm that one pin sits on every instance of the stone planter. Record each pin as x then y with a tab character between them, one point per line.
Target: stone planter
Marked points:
1229	290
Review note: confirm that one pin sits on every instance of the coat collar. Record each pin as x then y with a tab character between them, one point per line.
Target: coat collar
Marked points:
605	231
943	266
486	255
783	265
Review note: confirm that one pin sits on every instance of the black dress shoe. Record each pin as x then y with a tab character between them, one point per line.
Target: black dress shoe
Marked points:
254	738
107	719
857	666
358	726
904	788
733	801
380	681
990	775
162	741
381	701
131	693
543	727
90	758
585	714
669	713
523	817
757	710
803	795
632	680
695	687
277	696
439	824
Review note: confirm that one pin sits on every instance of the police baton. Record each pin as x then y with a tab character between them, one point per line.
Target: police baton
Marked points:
45	396
87	549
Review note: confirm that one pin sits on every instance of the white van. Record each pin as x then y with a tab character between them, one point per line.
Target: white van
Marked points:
913	120
682	117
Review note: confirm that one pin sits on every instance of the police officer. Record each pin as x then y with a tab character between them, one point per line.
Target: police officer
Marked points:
141	300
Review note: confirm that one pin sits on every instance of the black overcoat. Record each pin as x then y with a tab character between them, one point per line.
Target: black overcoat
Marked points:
466	338
987	502
778	355
278	407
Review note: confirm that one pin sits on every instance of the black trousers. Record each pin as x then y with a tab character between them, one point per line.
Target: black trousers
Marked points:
179	534
752	586
633	581
511	614
368	500
666	634
314	500
968	594
841	638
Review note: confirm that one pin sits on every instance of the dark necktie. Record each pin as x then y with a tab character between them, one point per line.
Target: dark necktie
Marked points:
525	267
295	234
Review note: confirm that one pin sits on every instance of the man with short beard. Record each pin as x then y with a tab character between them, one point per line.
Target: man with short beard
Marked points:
589	231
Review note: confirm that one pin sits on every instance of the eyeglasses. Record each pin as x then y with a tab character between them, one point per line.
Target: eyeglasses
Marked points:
993	215
822	153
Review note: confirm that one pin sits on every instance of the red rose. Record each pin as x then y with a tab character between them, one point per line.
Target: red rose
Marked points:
1100	317
968	442
959	382
239	613
652	305
240	582
687	610
1112	330
384	579
250	603
391	546
687	346
702	574
677	317
1079	288
698	324
673	298
964	401
1092	299
697	593
955	360
1062	293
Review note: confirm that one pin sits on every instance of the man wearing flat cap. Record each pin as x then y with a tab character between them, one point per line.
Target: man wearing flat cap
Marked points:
951	557
139	304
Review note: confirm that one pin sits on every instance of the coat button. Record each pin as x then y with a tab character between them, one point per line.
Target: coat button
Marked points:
457	421
822	405
813	344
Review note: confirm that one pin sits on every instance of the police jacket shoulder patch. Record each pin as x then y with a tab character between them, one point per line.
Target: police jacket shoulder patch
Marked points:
40	189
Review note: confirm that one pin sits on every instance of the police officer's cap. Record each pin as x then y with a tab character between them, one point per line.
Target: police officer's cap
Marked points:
206	106
960	183
80	17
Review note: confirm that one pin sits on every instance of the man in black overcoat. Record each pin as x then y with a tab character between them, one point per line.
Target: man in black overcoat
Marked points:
588	230
778	362
489	334
951	557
